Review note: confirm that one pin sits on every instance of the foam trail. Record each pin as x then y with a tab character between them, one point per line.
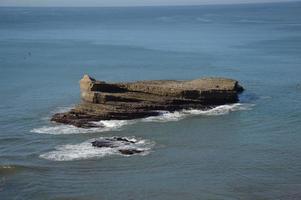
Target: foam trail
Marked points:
178	115
113	125
221	110
165	117
105	125
85	150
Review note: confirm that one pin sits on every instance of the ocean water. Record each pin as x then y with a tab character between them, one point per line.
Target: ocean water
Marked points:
250	150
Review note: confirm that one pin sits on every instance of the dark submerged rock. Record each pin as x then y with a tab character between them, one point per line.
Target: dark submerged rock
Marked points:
117	142
104	143
130	151
112	142
123	139
123	101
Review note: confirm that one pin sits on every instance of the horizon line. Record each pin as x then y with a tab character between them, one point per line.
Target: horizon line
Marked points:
176	5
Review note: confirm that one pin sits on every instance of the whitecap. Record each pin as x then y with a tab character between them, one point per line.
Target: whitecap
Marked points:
178	115
85	150
221	110
113	123
165	116
62	109
104	125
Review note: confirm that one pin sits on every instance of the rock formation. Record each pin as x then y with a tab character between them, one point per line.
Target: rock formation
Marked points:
131	100
122	144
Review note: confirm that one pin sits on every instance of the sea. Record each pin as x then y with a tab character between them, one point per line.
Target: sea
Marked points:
250	150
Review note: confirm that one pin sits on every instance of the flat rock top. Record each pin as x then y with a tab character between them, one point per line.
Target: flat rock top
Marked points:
197	84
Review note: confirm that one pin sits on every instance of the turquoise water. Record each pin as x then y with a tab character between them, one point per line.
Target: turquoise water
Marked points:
249	150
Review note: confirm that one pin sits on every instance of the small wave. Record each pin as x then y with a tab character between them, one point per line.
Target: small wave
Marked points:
178	115
200	19
222	110
85	150
165	116
104	125
251	21
165	19
113	123
62	109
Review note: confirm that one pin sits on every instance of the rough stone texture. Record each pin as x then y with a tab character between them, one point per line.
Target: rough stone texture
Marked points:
105	101
121	143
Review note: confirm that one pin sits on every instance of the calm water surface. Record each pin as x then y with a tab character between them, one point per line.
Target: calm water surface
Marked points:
243	151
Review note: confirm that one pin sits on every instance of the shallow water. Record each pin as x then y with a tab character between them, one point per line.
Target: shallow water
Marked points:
248	150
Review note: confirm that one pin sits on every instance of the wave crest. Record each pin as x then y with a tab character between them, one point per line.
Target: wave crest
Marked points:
178	115
105	125
85	150
165	116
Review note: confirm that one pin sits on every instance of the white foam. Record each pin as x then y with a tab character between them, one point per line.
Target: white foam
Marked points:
115	125
165	117
62	109
178	115
85	150
104	125
221	110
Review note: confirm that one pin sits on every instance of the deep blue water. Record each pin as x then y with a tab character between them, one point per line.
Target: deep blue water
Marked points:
243	151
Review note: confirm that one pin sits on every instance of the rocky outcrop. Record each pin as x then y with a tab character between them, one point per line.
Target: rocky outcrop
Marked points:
122	144
106	101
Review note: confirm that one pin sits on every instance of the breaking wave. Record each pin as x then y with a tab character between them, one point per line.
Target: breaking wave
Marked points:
178	115
85	150
62	109
165	116
105	125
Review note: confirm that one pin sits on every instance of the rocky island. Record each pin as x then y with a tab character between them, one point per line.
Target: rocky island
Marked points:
132	100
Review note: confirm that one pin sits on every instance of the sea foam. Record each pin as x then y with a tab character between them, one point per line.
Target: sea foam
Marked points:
104	125
165	116
178	115
85	150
